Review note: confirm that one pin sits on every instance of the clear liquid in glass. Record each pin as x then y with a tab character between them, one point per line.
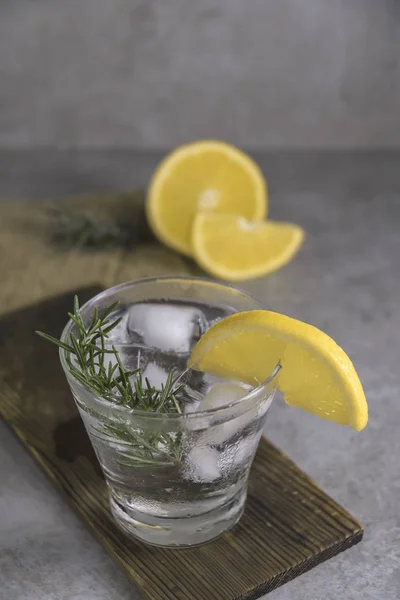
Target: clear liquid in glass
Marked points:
178	482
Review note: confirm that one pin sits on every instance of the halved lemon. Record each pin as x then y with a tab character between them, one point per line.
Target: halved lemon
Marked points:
317	375
235	249
208	176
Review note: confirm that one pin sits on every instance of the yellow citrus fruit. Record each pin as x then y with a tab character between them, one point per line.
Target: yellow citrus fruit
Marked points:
316	375
208	176
235	249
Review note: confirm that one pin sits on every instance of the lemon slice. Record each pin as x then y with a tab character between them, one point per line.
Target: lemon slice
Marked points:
202	176
317	375
235	249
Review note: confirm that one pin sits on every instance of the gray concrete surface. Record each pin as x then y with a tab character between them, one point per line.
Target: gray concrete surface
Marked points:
346	281
155	73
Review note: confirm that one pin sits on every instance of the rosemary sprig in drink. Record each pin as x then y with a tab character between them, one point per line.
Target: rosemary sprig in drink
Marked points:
86	355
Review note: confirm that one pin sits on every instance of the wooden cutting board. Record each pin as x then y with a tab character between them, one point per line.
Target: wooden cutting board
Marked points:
289	526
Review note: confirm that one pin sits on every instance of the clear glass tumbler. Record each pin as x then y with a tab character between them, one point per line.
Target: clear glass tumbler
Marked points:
176	479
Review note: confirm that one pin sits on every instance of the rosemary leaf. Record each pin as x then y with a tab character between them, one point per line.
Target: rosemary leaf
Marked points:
54	340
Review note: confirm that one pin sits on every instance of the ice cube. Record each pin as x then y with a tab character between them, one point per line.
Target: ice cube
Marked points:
166	327
201	464
220	395
223	393
156	375
245	448
191	406
240	453
120	332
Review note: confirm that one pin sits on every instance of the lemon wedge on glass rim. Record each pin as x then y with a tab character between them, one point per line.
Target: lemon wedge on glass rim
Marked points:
316	375
205	176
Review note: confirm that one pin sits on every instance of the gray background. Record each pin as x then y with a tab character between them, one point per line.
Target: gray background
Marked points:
154	73
88	75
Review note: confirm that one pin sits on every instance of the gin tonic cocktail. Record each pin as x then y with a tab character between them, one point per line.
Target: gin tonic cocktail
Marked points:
176	456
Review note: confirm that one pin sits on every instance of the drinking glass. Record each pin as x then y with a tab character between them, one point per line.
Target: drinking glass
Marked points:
174	479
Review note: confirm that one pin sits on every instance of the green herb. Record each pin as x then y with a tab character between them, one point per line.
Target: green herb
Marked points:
74	229
86	356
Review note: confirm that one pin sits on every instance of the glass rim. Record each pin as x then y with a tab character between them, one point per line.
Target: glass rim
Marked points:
163	278
104	403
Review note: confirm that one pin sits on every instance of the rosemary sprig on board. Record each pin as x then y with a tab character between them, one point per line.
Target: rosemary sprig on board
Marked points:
85	230
86	353
74	229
